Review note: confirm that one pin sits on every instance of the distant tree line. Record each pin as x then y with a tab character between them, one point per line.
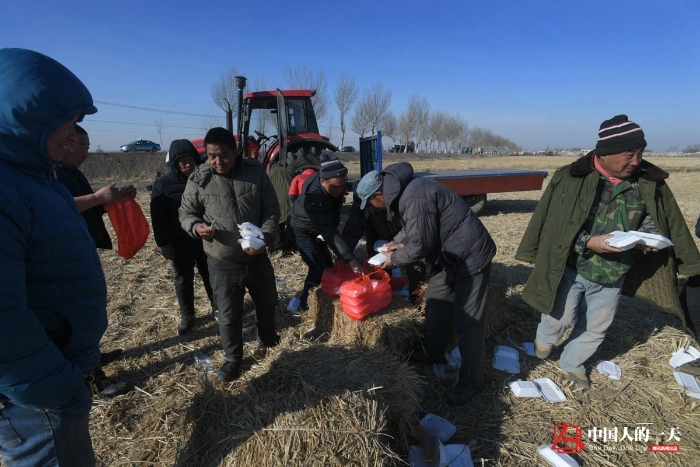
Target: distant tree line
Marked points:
368	111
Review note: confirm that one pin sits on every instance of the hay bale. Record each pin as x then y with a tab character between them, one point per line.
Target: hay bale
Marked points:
321	312
399	326
310	404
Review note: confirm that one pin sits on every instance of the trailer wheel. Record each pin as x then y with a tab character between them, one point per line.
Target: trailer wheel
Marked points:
476	202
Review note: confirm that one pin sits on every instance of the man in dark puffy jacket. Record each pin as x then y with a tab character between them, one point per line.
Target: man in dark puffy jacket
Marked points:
54	297
175	244
220	196
441	229
317	212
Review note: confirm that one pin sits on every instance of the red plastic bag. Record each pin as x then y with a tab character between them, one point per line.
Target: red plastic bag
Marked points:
366	295
129	224
333	278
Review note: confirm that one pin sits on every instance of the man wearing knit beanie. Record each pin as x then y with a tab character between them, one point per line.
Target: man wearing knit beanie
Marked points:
578	277
316	212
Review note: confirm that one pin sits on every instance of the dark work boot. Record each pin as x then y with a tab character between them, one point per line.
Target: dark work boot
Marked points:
270	342
460	394
185	326
229	371
108	357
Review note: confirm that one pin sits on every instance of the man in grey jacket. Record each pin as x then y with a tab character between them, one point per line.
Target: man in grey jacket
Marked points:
219	196
440	229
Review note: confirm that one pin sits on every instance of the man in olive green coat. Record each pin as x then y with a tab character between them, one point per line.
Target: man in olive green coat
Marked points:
220	195
578	278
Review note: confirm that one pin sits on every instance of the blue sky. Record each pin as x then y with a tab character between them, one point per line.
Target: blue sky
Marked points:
541	73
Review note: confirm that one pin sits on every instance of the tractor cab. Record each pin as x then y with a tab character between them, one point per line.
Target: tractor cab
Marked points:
286	129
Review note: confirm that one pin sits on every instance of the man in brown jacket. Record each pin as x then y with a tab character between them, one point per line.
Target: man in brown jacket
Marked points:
219	196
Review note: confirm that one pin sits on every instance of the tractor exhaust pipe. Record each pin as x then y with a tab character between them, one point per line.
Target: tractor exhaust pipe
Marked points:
240	84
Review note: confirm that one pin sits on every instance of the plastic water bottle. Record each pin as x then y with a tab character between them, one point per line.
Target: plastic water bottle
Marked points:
202	362
294	305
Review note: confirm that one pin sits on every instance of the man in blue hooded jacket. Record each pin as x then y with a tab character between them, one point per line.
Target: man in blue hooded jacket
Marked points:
53	308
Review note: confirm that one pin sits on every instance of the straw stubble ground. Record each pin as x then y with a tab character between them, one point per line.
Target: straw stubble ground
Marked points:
314	401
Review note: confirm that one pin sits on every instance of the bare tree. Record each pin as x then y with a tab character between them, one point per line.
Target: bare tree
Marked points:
422	119
302	77
436	128
454	128
225	94
408	121
359	122
463	140
159	127
209	122
479	138
390	126
330	127
346	93
374	105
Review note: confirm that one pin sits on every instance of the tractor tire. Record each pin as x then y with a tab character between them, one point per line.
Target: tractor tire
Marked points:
476	202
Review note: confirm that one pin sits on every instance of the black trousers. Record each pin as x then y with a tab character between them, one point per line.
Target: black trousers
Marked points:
463	303
229	281
317	257
283	242
184	262
690	300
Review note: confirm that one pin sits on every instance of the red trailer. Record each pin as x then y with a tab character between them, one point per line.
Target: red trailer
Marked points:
473	185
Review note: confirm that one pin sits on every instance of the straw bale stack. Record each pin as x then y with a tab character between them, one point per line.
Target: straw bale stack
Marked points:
396	327
307	404
399	326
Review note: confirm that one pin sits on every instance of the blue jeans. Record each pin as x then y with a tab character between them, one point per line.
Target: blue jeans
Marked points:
31	437
588	306
315	254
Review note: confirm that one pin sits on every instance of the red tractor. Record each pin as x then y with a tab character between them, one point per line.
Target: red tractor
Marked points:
295	142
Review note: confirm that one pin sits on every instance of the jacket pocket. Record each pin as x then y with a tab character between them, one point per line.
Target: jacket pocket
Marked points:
8	436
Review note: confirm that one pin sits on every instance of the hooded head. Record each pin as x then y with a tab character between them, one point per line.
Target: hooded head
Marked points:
180	148
37	95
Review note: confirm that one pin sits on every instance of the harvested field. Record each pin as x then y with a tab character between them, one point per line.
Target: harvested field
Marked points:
337	392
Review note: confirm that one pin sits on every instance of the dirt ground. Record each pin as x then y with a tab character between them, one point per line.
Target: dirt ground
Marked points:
152	424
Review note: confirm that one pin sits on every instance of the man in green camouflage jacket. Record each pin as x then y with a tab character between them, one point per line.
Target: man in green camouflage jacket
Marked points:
578	278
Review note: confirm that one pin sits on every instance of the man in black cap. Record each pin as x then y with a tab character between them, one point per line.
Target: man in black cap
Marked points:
175	244
317	212
578	277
